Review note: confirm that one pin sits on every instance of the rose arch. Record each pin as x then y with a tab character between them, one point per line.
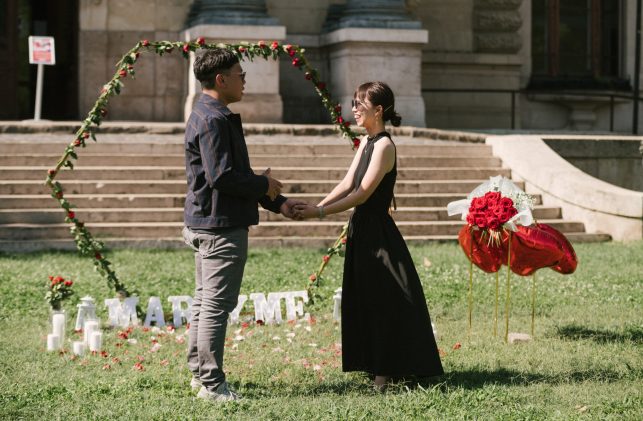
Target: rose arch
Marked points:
86	244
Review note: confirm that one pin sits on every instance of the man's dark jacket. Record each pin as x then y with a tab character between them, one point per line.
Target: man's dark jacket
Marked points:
223	191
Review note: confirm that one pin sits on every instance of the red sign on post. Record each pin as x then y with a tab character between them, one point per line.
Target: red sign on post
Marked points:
41	50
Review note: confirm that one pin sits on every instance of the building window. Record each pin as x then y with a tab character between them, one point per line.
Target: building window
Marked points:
577	44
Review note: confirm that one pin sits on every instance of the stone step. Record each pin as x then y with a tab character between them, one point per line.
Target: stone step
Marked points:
174	145
131	201
257	161
175	214
175	242
266	229
280	173
179	186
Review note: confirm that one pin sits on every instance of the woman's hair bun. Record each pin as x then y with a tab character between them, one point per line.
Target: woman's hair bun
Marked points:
395	119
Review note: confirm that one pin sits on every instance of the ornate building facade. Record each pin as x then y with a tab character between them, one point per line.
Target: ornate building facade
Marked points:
463	64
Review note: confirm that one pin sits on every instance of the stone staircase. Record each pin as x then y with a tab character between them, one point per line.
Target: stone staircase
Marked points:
129	189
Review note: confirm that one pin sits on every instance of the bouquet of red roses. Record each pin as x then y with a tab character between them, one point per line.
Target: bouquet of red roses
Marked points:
59	290
491	211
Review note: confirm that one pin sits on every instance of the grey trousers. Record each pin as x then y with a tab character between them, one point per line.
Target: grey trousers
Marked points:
219	259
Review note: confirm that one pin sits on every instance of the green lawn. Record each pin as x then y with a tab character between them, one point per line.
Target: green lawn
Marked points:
586	360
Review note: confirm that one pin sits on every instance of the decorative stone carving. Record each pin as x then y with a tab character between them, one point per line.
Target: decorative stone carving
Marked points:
496	24
497	20
229	12
371	14
498	4
498	43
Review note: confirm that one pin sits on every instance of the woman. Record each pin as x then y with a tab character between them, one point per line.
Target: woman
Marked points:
386	329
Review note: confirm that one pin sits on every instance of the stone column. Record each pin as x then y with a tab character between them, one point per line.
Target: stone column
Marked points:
231	21
377	40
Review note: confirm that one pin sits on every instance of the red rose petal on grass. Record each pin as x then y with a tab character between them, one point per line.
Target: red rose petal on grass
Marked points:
122	334
245	325
107	367
116	360
138	367
260	322
164	362
441	352
457	345
104	354
140	358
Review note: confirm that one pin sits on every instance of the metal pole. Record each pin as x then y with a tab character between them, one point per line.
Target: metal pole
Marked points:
513	110
611	113
637	69
38	106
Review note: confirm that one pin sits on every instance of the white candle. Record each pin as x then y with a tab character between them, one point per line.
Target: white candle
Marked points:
58	321
53	342
79	348
90	327
95	341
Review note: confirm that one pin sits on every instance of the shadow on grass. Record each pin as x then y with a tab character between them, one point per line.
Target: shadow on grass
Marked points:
629	334
467	379
335	387
475	379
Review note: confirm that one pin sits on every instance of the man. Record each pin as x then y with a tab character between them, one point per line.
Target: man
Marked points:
221	204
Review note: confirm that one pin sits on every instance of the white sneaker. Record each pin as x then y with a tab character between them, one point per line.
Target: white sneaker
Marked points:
195	384
221	394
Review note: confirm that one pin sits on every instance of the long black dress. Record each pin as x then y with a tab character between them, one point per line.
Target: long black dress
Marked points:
386	328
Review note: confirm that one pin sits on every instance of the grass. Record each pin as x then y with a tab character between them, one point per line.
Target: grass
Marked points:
585	363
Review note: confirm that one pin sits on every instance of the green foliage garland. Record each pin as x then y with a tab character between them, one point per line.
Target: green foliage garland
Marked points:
86	244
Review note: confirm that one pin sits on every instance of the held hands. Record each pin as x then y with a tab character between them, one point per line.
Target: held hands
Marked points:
274	186
306	211
288	209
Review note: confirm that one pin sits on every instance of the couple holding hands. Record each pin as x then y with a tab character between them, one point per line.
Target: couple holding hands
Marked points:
386	329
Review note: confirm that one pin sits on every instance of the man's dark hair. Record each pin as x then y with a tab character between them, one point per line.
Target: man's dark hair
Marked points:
212	62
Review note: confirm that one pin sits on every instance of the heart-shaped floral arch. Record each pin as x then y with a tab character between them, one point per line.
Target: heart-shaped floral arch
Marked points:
89	246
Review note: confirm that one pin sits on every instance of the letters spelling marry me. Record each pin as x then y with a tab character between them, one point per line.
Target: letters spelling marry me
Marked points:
123	313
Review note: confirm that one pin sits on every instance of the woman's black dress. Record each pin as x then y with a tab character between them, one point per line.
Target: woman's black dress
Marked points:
386	328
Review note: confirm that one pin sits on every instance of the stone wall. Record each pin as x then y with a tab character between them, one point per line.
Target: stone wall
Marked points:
616	161
473	44
108	29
